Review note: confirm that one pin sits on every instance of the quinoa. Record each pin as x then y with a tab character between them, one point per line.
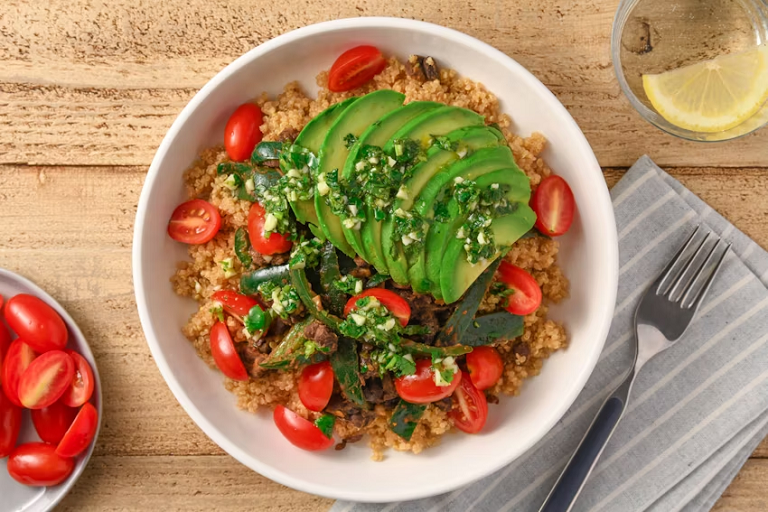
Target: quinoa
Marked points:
202	275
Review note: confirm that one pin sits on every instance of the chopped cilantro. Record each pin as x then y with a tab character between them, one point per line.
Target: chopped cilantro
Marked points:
349	284
445	143
218	311
325	423
305	254
285	299
349	140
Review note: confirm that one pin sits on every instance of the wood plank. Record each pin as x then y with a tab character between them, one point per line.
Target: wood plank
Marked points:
99	83
747	491
202	483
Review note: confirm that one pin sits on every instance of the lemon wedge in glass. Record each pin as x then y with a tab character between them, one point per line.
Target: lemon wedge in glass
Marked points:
713	95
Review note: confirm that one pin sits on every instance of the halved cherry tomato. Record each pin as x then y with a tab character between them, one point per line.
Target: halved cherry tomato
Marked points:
420	388
554	205
355	67
17	360
235	303
300	431
470	407
46	379
80	434
485	366
396	305
38	323
527	296
52	422
243	131
275	243
194	222
224	353
38	464
81	389
316	385
10	425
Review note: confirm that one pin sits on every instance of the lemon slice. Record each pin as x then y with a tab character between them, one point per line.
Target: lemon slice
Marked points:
713	95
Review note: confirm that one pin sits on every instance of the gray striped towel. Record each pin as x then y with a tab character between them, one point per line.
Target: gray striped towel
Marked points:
697	411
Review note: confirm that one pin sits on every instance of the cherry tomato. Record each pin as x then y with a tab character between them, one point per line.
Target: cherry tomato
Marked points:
485	366
420	388
5	342
554	206
235	303
300	431
316	385
38	323
527	296
275	243
396	305
10	425
224	353
17	360
52	422
243	131
81	388
80	434
355	67
471	408
46	379
1	301
194	222
38	464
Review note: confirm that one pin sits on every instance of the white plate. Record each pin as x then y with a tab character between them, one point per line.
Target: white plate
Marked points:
589	258
15	497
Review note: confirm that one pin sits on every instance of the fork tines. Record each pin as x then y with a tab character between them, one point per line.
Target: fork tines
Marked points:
689	275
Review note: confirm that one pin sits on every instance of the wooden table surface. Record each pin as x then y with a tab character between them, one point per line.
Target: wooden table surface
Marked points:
88	89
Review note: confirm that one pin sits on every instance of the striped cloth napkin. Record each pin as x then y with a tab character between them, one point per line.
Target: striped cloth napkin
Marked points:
697	411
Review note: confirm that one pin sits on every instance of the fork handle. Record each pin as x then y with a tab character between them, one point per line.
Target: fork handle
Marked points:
567	488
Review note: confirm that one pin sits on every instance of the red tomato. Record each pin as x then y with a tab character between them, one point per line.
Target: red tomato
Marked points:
80	434
355	67
316	385
299	431
527	296
17	360
81	389
38	464
420	388
243	131
275	243
235	303
10	425
5	342
554	205
485	366
38	323
194	222
224	353
52	422
470	407
396	305
46	379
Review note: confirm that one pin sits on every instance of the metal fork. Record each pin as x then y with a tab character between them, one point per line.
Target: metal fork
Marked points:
664	313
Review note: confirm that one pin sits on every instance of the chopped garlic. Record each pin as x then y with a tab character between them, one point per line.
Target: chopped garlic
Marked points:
323	188
402	193
358	319
270	222
359	166
391	161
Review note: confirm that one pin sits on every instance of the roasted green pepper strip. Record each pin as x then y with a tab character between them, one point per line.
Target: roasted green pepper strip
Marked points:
464	314
405	417
488	329
250	281
243	247
435	352
288	349
329	273
304	290
345	367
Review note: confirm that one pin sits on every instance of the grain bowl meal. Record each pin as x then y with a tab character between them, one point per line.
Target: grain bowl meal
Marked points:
376	261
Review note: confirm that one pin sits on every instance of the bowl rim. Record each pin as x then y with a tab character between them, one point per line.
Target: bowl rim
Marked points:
611	272
61	490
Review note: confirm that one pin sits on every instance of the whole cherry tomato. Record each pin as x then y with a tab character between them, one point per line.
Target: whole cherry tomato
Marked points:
243	131
38	323
316	385
38	464
10	425
52	422
485	366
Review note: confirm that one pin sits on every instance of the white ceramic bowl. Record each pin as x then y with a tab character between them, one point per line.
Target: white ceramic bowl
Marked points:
589	258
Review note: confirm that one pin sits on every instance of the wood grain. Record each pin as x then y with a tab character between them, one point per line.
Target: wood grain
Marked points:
98	82
76	244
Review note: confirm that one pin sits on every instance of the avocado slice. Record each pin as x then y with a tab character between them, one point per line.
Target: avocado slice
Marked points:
333	153
377	135
422	129
311	137
458	274
481	162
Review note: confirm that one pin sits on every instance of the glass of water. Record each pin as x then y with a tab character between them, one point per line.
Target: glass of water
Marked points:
651	37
